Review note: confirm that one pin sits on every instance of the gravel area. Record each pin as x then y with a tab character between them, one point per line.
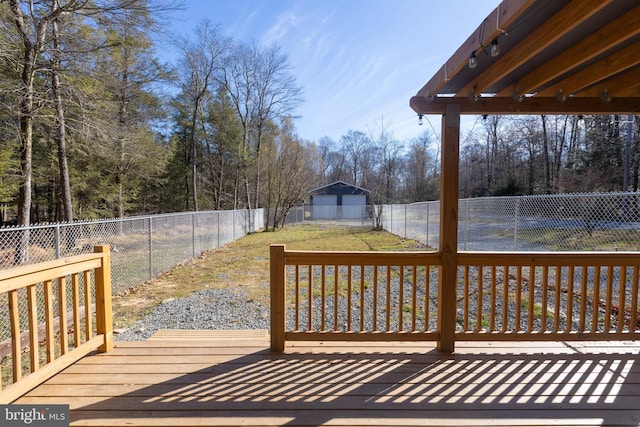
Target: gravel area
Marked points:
206	309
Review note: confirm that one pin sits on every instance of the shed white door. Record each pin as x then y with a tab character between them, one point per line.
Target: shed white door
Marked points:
325	206
354	206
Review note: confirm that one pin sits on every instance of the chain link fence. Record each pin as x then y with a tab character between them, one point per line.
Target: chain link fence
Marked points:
567	222
141	247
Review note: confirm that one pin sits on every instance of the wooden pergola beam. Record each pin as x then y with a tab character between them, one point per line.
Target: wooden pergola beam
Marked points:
588	48
532	105
623	85
618	62
569	17
501	17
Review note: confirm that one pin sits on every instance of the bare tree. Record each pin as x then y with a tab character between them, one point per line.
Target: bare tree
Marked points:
60	125
354	144
199	63
421	169
289	171
262	90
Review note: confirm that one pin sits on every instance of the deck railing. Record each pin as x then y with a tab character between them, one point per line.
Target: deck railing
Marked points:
352	296
499	296
548	296
46	334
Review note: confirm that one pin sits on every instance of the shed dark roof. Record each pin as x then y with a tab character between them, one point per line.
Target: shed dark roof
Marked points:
342	183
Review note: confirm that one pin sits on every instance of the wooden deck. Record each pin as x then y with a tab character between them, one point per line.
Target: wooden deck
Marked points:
197	378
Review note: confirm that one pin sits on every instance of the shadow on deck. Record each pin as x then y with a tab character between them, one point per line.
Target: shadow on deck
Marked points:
236	380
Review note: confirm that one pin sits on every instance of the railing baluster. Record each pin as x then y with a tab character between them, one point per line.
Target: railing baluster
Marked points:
76	309
466	299
595	321
622	299
583	298
323	295
349	298
608	301
362	298
48	312
479	305
297	300
336	327
505	304
388	297
571	278
427	293
16	350
414	298
518	311
634	299
545	297
532	286
34	342
62	315
558	298
310	298
494	291
88	312
375	298
401	299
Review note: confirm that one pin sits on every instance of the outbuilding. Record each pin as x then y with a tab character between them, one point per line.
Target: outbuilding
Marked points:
340	200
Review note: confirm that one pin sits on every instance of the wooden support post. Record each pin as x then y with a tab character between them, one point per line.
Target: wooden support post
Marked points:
104	317
277	297
448	246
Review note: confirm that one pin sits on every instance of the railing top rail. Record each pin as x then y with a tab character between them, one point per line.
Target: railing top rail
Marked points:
549	258
369	258
20	277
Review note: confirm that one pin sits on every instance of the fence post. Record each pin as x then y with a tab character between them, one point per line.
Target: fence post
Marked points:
58	244
428	224
150	249
193	234
405	221
515	225
277	277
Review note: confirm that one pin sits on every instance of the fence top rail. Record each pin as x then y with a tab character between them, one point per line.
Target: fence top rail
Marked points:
368	258
124	219
23	276
549	258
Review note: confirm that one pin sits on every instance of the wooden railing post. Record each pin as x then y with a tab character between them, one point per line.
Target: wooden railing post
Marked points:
104	317
277	297
449	228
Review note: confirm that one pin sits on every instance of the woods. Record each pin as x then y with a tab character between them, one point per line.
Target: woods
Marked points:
96	125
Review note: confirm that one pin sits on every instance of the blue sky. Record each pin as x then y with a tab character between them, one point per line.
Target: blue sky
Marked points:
358	61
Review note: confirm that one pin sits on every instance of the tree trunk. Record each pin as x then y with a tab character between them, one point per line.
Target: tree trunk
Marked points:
26	151
194	156
545	153
60	134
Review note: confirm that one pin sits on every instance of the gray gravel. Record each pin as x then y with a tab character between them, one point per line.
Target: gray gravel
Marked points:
207	309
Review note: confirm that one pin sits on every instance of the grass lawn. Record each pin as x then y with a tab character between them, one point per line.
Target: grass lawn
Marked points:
245	264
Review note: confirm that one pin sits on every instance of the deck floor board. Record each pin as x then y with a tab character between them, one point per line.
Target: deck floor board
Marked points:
202	378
